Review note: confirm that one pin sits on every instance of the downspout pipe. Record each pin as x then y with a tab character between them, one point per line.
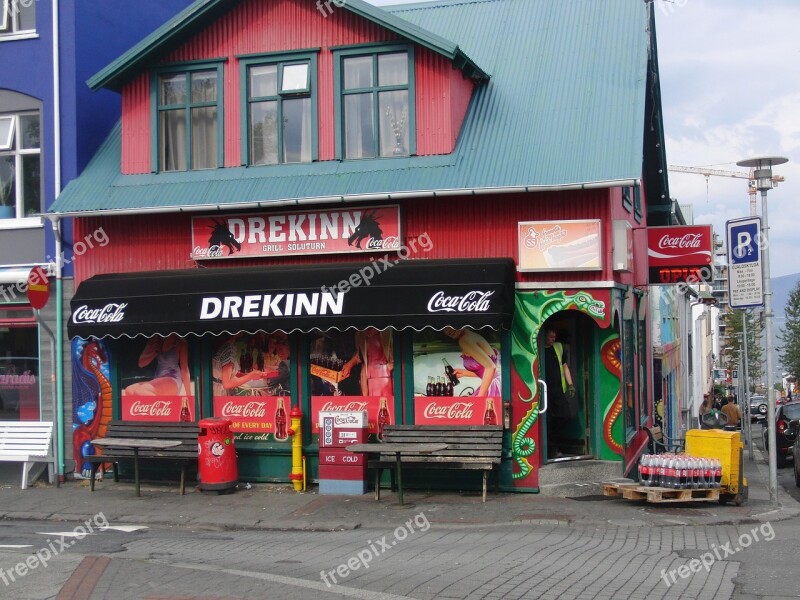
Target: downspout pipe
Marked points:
59	417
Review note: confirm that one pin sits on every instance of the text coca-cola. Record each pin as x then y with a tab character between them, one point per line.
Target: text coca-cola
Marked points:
474	301
250	409
156	408
110	313
457	410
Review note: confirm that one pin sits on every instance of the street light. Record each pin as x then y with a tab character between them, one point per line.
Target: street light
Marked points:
762	173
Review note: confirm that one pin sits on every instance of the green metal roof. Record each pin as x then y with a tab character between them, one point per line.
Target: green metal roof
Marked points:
565	107
200	13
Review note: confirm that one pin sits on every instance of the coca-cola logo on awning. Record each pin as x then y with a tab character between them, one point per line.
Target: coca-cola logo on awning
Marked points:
250	409
110	313
474	301
457	410
156	408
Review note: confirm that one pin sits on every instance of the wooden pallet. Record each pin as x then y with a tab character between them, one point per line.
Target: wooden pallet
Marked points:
633	491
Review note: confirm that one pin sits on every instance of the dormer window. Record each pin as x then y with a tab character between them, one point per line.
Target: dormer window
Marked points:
376	102
189	102
280	110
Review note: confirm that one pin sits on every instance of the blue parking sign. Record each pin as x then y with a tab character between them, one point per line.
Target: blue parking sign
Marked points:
745	278
744	239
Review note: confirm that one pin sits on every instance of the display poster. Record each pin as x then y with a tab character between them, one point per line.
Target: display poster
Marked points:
457	378
560	245
252	385
156	384
353	371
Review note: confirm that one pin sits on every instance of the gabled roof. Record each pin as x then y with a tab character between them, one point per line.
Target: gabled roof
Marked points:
565	108
200	13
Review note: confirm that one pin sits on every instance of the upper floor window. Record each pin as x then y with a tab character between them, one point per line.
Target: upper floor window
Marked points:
20	165
187	115
281	109
17	16
376	102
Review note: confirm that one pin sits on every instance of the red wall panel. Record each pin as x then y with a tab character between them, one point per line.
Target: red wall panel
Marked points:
457	227
255	27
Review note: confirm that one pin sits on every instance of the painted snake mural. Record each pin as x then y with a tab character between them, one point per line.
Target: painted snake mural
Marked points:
533	311
609	354
91	398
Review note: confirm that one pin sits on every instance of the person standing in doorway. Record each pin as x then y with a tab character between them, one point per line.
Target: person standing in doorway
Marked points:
561	404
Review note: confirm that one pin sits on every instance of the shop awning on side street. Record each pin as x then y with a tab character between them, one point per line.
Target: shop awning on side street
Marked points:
383	293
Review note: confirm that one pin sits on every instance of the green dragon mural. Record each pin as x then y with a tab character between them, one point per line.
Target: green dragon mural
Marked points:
532	310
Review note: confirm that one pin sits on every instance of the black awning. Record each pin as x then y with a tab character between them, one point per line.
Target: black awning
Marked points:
381	293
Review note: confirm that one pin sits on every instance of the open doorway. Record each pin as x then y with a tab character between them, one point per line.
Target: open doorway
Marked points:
567	343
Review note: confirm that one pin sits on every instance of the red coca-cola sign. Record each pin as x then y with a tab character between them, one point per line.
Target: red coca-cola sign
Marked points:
371	404
155	408
687	245
463	410
255	414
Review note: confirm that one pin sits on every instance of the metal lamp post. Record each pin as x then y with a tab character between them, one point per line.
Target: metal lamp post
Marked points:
762	172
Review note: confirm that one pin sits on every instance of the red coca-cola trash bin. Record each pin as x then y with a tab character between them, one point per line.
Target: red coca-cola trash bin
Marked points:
216	457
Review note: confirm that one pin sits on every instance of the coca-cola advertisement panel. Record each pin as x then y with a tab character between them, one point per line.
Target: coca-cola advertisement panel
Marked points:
255	417
251	376
574	245
680	254
297	233
457	376
353	370
156	382
157	408
465	410
372	404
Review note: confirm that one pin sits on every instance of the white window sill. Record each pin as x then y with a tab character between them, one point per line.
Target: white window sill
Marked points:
24	35
26	223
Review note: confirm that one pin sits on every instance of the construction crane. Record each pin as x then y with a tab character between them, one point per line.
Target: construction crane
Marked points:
751	181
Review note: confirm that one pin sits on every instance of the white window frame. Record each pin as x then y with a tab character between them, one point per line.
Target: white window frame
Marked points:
19	200
6	144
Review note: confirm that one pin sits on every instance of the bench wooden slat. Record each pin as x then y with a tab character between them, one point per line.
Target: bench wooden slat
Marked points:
470	447
183	454
28	442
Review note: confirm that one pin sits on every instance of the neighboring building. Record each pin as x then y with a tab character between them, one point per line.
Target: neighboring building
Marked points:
51	124
277	163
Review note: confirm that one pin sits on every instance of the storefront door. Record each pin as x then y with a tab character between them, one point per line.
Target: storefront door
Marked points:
19	365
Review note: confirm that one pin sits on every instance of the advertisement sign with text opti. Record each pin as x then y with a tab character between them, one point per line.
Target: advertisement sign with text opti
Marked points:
560	246
345	230
745	277
677	254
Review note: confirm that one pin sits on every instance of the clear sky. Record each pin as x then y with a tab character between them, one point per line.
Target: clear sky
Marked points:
730	84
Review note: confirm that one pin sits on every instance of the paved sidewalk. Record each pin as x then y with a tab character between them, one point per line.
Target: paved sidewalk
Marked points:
278	506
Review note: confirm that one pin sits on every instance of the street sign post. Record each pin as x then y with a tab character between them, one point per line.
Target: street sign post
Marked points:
38	287
745	281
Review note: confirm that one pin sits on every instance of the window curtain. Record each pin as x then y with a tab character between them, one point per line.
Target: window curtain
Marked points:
173	146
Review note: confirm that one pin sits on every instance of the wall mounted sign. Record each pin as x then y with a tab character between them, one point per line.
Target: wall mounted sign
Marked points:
345	230
680	253
560	246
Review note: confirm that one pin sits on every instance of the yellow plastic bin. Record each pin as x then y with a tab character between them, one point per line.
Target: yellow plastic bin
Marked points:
727	447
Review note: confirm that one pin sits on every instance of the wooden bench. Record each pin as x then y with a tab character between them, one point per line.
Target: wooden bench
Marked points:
469	447
28	442
182	454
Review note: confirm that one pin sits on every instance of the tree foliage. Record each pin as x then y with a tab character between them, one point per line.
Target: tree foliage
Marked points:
790	350
734	321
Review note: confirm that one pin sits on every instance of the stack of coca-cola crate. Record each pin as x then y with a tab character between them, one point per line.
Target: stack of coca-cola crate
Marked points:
340	471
